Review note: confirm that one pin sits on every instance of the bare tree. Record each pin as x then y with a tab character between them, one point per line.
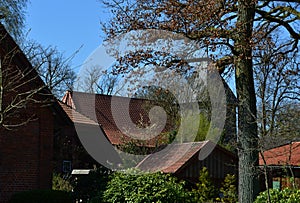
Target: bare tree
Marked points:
96	80
20	85
277	75
53	67
88	81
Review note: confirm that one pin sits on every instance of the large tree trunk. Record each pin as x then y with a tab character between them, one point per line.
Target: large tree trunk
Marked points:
1	93
247	133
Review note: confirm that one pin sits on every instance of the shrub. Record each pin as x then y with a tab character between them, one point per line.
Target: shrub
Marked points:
205	190
135	187
229	190
61	183
41	196
279	196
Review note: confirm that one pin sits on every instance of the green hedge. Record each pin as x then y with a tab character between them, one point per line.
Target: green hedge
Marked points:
41	196
280	196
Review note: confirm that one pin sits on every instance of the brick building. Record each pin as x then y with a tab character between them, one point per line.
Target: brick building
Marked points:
26	131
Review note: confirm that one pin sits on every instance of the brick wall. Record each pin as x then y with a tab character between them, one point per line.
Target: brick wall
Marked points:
26	151
26	156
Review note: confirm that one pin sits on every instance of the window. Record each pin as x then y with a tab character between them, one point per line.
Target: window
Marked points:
67	167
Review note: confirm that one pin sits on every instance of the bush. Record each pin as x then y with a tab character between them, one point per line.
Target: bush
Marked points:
61	183
229	190
135	187
205	191
41	196
279	196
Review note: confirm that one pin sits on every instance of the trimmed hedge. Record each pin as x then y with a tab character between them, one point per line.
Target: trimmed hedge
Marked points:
41	196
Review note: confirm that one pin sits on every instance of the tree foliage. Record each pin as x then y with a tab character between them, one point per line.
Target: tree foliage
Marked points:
12	15
165	99
229	30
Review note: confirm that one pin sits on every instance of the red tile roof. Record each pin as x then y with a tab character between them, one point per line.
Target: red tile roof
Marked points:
172	158
99	109
75	116
288	154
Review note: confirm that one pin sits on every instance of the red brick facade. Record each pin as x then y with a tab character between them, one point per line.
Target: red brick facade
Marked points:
26	156
26	150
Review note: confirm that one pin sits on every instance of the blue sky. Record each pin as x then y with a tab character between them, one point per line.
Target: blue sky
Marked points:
67	24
